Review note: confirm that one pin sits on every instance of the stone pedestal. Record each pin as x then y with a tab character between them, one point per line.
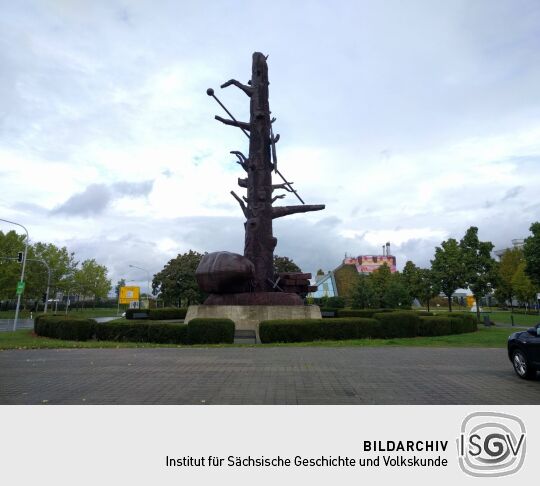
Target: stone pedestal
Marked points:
248	317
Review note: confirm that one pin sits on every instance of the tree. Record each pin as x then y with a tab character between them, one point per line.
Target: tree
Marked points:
10	271
510	261
120	283
177	280
531	252
411	279
285	264
91	280
396	294
448	269
480	267
427	287
362	293
524	288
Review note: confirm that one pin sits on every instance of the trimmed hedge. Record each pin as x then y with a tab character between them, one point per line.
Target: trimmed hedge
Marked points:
210	331
424	313
164	313
360	312
383	325
398	324
167	313
435	326
123	332
168	333
62	327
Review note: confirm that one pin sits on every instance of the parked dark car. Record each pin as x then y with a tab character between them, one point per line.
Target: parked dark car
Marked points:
524	352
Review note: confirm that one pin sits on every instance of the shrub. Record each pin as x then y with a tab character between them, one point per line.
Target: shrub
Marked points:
424	313
360	312
62	327
167	333
304	330
167	313
335	302
434	326
123	331
210	331
289	330
396	324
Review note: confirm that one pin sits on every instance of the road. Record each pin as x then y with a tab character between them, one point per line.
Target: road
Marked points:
251	375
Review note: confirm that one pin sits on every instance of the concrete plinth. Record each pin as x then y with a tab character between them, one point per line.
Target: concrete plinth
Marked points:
248	317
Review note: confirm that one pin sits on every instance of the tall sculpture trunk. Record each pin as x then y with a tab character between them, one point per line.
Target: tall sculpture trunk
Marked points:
259	240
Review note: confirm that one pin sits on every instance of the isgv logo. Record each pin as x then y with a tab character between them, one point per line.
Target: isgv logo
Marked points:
491	444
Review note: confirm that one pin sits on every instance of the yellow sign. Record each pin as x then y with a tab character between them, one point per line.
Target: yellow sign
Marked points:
129	294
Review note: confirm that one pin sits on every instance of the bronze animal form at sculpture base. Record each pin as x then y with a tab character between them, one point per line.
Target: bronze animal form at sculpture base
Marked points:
257	207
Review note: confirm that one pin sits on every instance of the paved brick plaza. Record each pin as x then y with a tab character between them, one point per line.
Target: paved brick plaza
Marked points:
263	376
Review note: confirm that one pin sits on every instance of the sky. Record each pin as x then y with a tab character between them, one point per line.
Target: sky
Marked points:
410	120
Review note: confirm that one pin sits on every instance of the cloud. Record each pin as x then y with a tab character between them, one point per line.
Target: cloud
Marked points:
97	197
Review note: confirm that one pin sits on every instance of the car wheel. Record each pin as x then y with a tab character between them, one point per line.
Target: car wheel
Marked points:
521	366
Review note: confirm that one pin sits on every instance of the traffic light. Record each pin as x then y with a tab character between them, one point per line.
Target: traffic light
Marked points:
20	257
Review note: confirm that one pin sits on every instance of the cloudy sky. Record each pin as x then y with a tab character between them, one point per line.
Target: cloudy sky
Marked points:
410	120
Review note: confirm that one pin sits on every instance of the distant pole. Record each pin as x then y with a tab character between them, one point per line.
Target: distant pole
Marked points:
147	282
22	271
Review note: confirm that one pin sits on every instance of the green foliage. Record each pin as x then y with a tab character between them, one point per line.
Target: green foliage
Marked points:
419	283
167	313
289	330
524	289
480	268
168	333
380	289
448	268
507	268
396	324
363	293
285	264
360	312
210	331
331	302
62	327
123	331
91	280
120	283
10	271
434	326
176	282
531	251
142	332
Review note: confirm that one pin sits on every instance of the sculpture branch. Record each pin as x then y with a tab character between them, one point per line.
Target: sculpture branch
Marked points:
275	198
281	186
279	212
243	183
233	123
246	89
242	205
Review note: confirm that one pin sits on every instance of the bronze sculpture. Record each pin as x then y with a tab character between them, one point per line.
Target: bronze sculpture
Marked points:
257	208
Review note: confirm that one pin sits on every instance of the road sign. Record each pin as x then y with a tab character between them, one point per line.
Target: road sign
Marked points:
129	294
20	287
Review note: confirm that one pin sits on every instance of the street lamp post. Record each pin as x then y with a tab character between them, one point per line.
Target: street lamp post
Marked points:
22	271
147	282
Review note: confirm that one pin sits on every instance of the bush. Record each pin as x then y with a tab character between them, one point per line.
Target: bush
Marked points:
424	313
289	330
62	327
167	313
123	331
167	333
304	330
396	324
360	312
210	331
435	326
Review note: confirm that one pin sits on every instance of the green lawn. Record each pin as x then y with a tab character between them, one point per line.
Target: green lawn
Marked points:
504	317
25	314
485	337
